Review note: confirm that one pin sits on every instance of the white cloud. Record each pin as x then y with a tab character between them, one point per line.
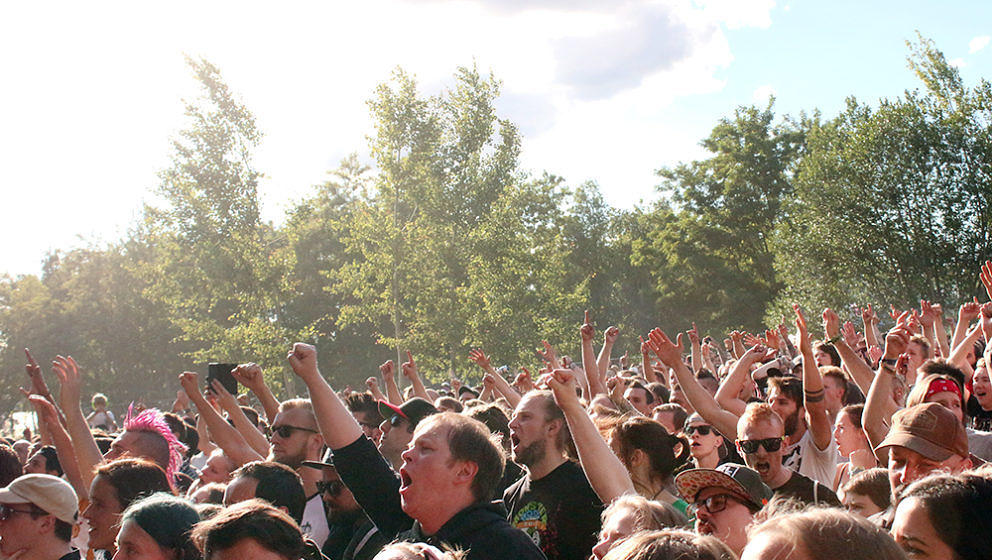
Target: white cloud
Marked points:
762	93
978	43
957	62
97	93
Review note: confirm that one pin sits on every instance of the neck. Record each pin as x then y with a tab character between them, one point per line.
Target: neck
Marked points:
432	523
53	548
710	461
797	435
544	467
779	479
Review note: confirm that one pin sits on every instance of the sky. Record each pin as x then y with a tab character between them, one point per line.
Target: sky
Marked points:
607	91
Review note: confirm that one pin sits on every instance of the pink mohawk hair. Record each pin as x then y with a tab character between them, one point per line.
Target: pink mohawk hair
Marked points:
152	420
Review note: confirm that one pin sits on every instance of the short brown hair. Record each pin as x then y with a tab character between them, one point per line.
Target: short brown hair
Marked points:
873	483
252	519
470	440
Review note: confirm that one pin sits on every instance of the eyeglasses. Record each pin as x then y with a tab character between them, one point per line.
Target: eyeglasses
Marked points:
331	487
286	430
7	511
703	430
713	504
771	445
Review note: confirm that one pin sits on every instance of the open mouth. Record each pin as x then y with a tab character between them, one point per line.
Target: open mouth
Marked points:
514	440
405	480
762	468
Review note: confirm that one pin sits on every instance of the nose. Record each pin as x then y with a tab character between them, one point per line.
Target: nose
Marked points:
384	427
513	423
406	454
601	548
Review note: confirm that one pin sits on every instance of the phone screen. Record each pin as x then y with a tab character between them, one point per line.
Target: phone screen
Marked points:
222	372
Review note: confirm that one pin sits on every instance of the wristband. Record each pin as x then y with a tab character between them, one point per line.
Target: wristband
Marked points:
888	361
833	339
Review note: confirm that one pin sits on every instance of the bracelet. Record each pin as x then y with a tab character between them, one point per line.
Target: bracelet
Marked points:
888	361
833	339
885	366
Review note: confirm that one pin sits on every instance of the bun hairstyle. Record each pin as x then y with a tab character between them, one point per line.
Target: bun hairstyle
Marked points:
665	452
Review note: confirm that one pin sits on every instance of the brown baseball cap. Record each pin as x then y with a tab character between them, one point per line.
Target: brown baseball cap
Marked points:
929	429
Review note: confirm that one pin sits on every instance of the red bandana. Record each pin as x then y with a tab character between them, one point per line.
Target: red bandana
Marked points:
942	385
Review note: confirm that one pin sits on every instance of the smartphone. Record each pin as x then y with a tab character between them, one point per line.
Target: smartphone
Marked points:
222	372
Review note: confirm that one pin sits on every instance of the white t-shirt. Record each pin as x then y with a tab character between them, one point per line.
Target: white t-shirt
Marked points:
315	521
804	458
105	418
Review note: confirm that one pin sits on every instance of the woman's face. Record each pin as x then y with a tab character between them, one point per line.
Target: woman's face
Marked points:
617	527
914	532
849	437
982	388
701	445
950	400
103	514
133	543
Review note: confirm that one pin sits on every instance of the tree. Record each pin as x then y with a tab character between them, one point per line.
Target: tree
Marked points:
707	245
893	204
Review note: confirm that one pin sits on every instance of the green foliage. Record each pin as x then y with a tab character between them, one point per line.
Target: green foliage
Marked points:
893	204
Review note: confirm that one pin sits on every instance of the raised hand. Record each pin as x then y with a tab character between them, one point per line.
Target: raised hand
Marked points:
625	360
71	380
563	384
190	382
875	354
226	400
693	335
523	381
409	367
986	321
387	370
611	335
489	382
645	346
868	316
372	383
986	277
894	313
480	358
303	359
831	322
38	386
850	335
772	338
249	375
668	352
969	311
45	409
587	331
549	355
927	315
456	384
896	341
805	343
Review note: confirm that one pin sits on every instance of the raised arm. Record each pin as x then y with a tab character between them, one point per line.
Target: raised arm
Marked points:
250	375
609	339
336	423
879	405
670	354
817	417
373	384
253	437
409	370
66	452
388	372
606	474
501	385
590	365
648	372
696	350
226	436
88	454
959	356
860	372
966	314
728	395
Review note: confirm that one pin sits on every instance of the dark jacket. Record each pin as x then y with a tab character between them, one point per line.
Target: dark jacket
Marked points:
482	530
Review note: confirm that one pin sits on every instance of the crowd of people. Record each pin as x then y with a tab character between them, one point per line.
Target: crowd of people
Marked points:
773	446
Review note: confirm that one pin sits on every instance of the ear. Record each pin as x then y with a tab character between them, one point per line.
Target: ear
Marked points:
465	472
555	426
638	457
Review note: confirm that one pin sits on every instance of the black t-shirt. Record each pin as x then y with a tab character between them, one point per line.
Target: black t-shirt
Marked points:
807	491
560	512
981	419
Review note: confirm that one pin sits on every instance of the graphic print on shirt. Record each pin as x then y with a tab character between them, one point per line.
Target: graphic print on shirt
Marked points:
533	520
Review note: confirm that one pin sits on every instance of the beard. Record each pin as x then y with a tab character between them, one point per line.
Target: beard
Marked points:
531	454
345	518
792	423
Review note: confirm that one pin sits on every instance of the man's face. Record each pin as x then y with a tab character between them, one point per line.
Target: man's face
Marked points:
530	431
833	395
240	489
370	425
907	466
767	463
786	409
126	444
396	436
728	524
36	465
666	419
339	502
20	530
858	504
638	399
427	474
295	448
916	356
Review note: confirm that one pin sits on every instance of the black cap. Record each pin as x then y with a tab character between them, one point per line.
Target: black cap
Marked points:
413	410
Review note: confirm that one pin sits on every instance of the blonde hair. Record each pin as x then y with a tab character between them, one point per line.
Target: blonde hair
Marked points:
828	534
759	412
648	514
670	544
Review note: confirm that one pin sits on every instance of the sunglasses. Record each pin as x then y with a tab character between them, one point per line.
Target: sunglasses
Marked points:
331	487
713	504
703	430
286	430
6	512
771	445
396	420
